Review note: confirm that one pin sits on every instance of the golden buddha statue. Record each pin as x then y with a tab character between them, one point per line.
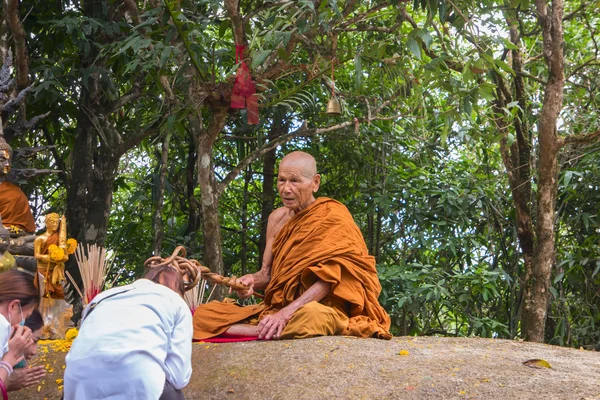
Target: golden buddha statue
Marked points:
14	208
50	251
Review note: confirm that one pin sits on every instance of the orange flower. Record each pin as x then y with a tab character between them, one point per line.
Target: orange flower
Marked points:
71	246
56	253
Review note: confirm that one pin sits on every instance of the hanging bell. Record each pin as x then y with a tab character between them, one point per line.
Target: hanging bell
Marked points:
333	106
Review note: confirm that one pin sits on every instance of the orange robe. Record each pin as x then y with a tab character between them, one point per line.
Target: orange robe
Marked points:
14	208
321	242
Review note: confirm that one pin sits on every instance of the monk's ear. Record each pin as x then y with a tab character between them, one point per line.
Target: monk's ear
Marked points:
316	182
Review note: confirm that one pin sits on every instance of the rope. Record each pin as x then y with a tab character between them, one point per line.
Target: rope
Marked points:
191	270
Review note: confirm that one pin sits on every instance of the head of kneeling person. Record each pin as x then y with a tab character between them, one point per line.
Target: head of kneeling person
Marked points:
18	296
168	276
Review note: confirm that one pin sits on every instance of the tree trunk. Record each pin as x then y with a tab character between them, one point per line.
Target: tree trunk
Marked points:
213	256
191	179
159	233
80	184
536	294
278	127
244	250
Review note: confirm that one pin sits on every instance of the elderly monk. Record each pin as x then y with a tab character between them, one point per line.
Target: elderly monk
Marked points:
14	207
317	274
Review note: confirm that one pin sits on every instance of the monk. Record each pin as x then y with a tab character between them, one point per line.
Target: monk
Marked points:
14	207
317	275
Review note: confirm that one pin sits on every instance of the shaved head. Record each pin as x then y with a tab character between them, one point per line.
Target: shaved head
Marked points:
301	160
297	180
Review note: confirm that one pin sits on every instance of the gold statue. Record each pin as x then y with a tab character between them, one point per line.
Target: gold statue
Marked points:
50	251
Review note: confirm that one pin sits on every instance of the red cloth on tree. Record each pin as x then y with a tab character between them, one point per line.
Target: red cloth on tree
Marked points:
243	94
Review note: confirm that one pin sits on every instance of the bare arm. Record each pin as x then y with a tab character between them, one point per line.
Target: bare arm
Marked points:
260	280
272	325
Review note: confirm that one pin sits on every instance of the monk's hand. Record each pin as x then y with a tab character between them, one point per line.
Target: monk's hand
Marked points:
247	280
271	326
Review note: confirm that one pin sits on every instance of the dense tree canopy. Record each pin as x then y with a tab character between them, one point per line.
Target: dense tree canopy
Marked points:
466	149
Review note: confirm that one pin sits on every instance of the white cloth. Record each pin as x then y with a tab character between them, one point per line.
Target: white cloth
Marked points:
129	344
5	331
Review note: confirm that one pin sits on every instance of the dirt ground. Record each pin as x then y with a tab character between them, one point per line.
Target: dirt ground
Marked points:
350	368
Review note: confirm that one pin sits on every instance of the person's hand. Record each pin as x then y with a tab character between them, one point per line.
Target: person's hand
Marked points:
25	377
20	339
271	326
247	280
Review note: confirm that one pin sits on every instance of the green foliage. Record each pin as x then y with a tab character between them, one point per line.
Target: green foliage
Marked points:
425	182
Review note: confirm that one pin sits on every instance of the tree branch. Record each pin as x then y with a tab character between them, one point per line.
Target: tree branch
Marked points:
579	139
134	94
134	140
454	65
302	131
11	8
362	16
266	7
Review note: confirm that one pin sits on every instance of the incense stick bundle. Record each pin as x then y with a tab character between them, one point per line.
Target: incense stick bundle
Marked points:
92	267
195	297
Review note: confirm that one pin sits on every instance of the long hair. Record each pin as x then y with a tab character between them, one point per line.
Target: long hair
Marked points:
17	285
167	276
35	320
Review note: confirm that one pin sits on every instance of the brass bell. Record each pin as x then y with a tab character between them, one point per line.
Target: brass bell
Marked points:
333	106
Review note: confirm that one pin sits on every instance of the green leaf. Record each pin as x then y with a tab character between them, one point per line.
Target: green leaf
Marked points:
442	8
508	44
568	176
414	47
223	27
164	56
504	66
425	36
282	53
596	269
558	277
260	58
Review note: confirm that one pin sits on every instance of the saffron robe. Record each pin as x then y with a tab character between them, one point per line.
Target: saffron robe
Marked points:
320	242
14	208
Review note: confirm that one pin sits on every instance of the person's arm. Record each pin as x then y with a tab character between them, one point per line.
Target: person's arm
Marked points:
271	326
260	280
179	355
37	249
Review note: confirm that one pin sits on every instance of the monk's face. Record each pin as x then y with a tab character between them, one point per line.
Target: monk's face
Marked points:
296	184
4	162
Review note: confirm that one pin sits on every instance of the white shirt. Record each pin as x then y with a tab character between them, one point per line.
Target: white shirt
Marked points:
129	344
5	330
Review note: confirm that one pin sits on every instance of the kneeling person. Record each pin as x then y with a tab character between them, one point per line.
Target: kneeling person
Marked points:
135	342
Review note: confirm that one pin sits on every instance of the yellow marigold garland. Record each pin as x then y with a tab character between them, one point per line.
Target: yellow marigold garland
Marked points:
71	246
56	253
